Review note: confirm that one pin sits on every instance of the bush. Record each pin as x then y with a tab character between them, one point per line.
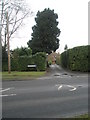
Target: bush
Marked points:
63	59
4	65
4	59
58	60
20	63
49	62
40	61
24	61
76	59
14	64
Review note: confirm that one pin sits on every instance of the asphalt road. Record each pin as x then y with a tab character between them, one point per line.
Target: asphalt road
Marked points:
59	94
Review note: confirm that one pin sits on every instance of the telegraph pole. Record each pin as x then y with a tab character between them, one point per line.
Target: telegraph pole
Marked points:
8	45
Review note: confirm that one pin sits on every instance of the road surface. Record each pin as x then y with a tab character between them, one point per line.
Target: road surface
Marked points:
59	94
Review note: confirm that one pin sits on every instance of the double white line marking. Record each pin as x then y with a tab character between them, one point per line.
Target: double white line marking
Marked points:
3	90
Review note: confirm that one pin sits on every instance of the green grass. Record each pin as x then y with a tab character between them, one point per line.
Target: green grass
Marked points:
21	75
83	116
80	117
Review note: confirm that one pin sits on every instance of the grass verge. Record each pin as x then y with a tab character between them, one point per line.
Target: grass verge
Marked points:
80	117
84	116
21	75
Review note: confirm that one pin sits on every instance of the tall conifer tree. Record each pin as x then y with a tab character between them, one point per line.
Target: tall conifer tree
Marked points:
45	32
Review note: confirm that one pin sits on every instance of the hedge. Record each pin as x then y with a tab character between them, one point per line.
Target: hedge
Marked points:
20	63
76	59
4	65
40	61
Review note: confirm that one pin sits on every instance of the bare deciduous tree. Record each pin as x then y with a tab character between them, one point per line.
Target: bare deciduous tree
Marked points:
17	12
12	12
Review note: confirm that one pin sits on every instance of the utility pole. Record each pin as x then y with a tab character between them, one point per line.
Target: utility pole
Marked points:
8	45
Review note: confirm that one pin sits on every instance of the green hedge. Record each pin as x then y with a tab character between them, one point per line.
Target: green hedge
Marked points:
21	63
76	59
4	65
63	59
40	61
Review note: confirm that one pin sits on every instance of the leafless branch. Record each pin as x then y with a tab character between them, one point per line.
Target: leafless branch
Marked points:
17	13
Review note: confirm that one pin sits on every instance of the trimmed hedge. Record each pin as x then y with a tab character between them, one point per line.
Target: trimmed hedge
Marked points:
4	65
21	63
40	60
76	59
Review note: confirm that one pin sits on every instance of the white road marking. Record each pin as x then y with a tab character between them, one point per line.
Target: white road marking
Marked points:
70	86
5	90
73	88
83	76
59	87
7	95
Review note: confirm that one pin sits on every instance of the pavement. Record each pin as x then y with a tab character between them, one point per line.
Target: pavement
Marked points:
59	94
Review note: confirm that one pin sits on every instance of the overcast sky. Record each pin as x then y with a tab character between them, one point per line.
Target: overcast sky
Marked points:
72	18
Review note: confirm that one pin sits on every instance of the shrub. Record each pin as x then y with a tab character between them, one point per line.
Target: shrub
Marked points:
4	65
24	61
76	58
20	63
49	62
40	61
58	60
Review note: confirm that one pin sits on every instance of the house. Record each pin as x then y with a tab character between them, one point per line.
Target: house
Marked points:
53	57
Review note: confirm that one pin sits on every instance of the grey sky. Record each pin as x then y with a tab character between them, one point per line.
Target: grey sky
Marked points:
72	17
